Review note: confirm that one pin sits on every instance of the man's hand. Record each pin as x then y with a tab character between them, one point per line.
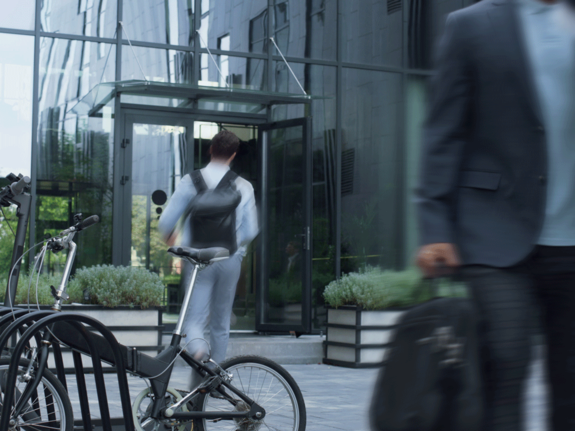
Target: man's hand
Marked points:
432	258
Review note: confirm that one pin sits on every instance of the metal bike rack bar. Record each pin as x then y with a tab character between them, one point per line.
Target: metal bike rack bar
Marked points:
37	321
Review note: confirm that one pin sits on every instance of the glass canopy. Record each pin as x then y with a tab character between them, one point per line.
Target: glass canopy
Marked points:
182	96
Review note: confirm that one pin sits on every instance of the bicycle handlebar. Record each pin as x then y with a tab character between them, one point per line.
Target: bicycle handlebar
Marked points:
81	225
88	222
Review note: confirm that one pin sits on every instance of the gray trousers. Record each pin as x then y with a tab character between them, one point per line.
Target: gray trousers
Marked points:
211	306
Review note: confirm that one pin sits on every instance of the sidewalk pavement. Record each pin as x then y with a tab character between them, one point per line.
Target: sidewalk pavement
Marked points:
336	398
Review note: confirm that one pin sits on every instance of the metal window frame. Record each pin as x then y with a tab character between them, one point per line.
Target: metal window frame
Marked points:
269	57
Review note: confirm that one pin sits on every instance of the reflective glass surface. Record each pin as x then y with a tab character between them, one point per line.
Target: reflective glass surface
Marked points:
415	105
18	14
319	81
168	21
305	29
233	72
372	32
75	152
16	80
370	122
157	163
159	65
245	22
283	298
85	17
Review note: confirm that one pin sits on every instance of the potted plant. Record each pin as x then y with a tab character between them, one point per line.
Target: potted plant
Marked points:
364	308
126	299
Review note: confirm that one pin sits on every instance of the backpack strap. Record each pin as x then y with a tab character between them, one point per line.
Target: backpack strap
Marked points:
228	179
199	182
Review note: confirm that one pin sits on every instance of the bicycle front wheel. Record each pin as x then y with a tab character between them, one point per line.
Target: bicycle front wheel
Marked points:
269	385
48	409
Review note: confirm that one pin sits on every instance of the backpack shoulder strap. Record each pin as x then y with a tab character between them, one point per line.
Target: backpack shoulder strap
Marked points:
199	181
228	179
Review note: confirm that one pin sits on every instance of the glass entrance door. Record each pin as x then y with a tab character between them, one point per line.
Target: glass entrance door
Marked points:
284	293
156	152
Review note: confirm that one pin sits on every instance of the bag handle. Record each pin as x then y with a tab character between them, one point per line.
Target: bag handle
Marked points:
199	182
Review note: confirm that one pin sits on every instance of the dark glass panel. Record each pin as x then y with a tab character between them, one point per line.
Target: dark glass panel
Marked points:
164	21
370	138
85	17
425	25
306	28
16	79
317	81
415	107
283	302
371	32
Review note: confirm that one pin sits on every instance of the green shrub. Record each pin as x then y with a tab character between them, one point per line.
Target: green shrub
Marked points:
111	286
375	289
26	290
107	285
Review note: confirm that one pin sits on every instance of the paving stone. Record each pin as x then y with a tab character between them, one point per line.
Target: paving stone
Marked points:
336	398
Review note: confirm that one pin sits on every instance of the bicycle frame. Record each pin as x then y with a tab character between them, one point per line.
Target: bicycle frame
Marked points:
158	369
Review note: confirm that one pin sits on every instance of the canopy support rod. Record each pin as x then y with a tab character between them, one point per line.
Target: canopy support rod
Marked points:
212	57
133	52
287	64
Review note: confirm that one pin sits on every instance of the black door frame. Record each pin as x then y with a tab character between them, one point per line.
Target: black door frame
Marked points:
263	244
121	243
122	232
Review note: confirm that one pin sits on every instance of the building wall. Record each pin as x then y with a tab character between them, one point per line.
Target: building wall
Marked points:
365	62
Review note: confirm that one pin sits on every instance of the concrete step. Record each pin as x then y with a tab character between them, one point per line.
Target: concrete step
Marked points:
283	349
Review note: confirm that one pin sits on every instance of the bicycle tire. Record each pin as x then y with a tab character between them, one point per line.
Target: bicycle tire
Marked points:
239	367
33	417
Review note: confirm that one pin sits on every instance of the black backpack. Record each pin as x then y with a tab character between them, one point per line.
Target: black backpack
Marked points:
213	213
430	381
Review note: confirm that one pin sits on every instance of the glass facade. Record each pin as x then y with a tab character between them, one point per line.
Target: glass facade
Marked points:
365	64
16	81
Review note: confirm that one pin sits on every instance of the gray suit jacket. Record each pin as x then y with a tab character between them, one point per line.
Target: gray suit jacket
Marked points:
484	156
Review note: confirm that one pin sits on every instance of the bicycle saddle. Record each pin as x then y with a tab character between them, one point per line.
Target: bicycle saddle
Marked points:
201	255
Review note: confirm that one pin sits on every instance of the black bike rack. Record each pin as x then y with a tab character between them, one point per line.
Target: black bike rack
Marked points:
31	324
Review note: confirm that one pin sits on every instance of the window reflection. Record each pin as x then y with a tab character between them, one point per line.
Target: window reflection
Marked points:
372	32
167	21
87	17
370	111
241	72
75	153
18	14
16	79
161	65
224	44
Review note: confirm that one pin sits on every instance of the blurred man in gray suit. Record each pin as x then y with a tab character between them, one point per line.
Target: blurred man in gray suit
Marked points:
497	192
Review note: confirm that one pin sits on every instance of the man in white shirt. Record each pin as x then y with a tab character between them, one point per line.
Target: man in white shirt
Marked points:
214	291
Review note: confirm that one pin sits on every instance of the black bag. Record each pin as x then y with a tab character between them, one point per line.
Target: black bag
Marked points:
213	213
430	381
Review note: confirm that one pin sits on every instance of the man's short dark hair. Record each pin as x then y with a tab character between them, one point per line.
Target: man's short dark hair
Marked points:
224	145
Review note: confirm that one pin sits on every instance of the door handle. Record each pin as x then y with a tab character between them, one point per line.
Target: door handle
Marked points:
124	180
306	237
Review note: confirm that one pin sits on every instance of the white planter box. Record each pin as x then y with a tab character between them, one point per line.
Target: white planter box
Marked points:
132	327
358	338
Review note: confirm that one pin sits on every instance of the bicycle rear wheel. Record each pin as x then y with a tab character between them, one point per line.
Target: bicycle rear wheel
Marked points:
269	385
48	409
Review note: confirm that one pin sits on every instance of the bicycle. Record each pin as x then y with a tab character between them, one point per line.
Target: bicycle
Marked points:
46	403
242	394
